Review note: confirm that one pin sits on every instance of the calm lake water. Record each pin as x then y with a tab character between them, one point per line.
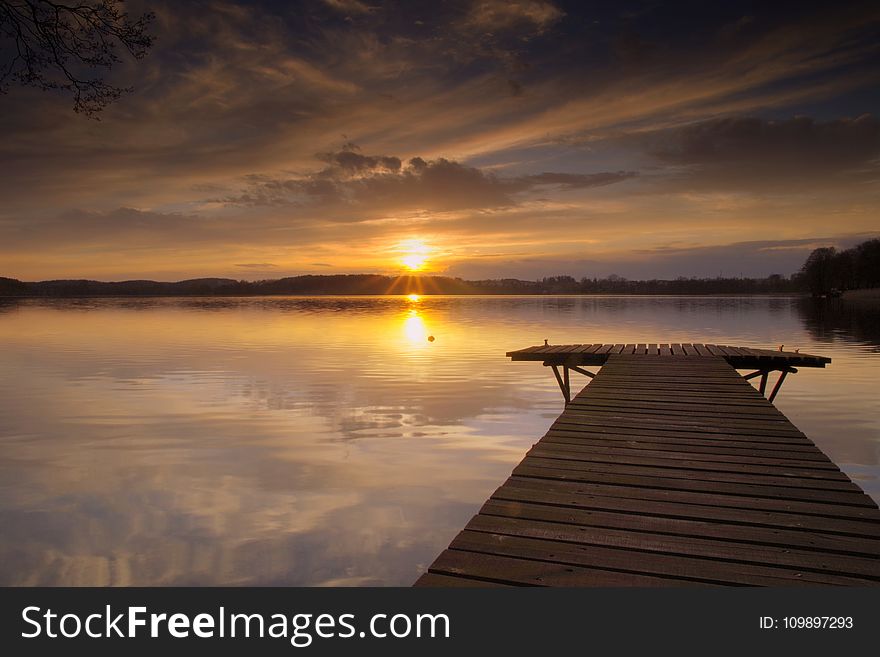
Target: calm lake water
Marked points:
327	441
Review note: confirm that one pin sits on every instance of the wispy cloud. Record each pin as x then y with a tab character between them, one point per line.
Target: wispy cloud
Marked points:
495	15
349	7
258	266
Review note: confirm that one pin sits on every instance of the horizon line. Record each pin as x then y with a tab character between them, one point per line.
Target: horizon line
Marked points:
410	275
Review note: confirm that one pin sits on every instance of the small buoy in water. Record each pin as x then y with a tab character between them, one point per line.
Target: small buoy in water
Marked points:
430	338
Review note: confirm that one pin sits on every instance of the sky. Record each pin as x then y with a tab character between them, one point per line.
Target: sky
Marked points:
473	138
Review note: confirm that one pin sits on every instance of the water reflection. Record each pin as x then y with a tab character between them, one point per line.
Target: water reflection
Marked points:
850	321
414	329
326	440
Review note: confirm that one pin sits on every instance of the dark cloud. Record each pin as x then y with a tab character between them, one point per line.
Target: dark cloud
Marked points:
758	153
358	180
348	162
384	181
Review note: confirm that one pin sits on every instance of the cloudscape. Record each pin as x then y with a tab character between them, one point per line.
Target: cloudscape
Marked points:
482	139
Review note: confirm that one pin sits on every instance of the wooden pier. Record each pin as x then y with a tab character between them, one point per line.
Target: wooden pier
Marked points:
669	469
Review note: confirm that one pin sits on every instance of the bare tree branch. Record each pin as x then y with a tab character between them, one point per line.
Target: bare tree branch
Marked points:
67	47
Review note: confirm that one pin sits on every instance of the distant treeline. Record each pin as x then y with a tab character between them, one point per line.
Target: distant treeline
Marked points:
375	284
775	284
294	285
826	269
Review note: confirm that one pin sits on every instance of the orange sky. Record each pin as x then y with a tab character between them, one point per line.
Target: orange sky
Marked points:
482	139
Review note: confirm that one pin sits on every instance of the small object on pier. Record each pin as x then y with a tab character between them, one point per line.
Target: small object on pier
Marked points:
781	346
546	343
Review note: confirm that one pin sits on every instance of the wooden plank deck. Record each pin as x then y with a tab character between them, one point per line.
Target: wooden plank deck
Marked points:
669	469
738	357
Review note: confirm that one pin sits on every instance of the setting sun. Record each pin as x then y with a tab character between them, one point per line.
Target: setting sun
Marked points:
414	262
415	254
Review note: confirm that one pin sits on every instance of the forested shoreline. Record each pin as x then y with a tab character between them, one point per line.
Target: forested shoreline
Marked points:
826	271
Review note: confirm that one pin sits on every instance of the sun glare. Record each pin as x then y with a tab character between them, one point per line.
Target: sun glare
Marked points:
413	297
414	262
414	329
415	254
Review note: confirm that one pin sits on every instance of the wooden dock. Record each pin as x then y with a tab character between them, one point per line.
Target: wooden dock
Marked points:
669	469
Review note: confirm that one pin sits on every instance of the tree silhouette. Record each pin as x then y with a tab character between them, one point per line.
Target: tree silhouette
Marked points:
818	270
66	47
851	269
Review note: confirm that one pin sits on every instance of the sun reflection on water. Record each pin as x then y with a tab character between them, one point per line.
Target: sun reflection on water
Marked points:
414	329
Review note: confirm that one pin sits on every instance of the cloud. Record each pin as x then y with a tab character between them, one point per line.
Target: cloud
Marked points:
384	183
752	153
233	88
789	60
578	180
495	34
257	265
349	162
494	15
349	7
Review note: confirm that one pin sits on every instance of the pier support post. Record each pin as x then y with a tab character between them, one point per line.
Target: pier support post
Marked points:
764	374
564	378
779	382
563	383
